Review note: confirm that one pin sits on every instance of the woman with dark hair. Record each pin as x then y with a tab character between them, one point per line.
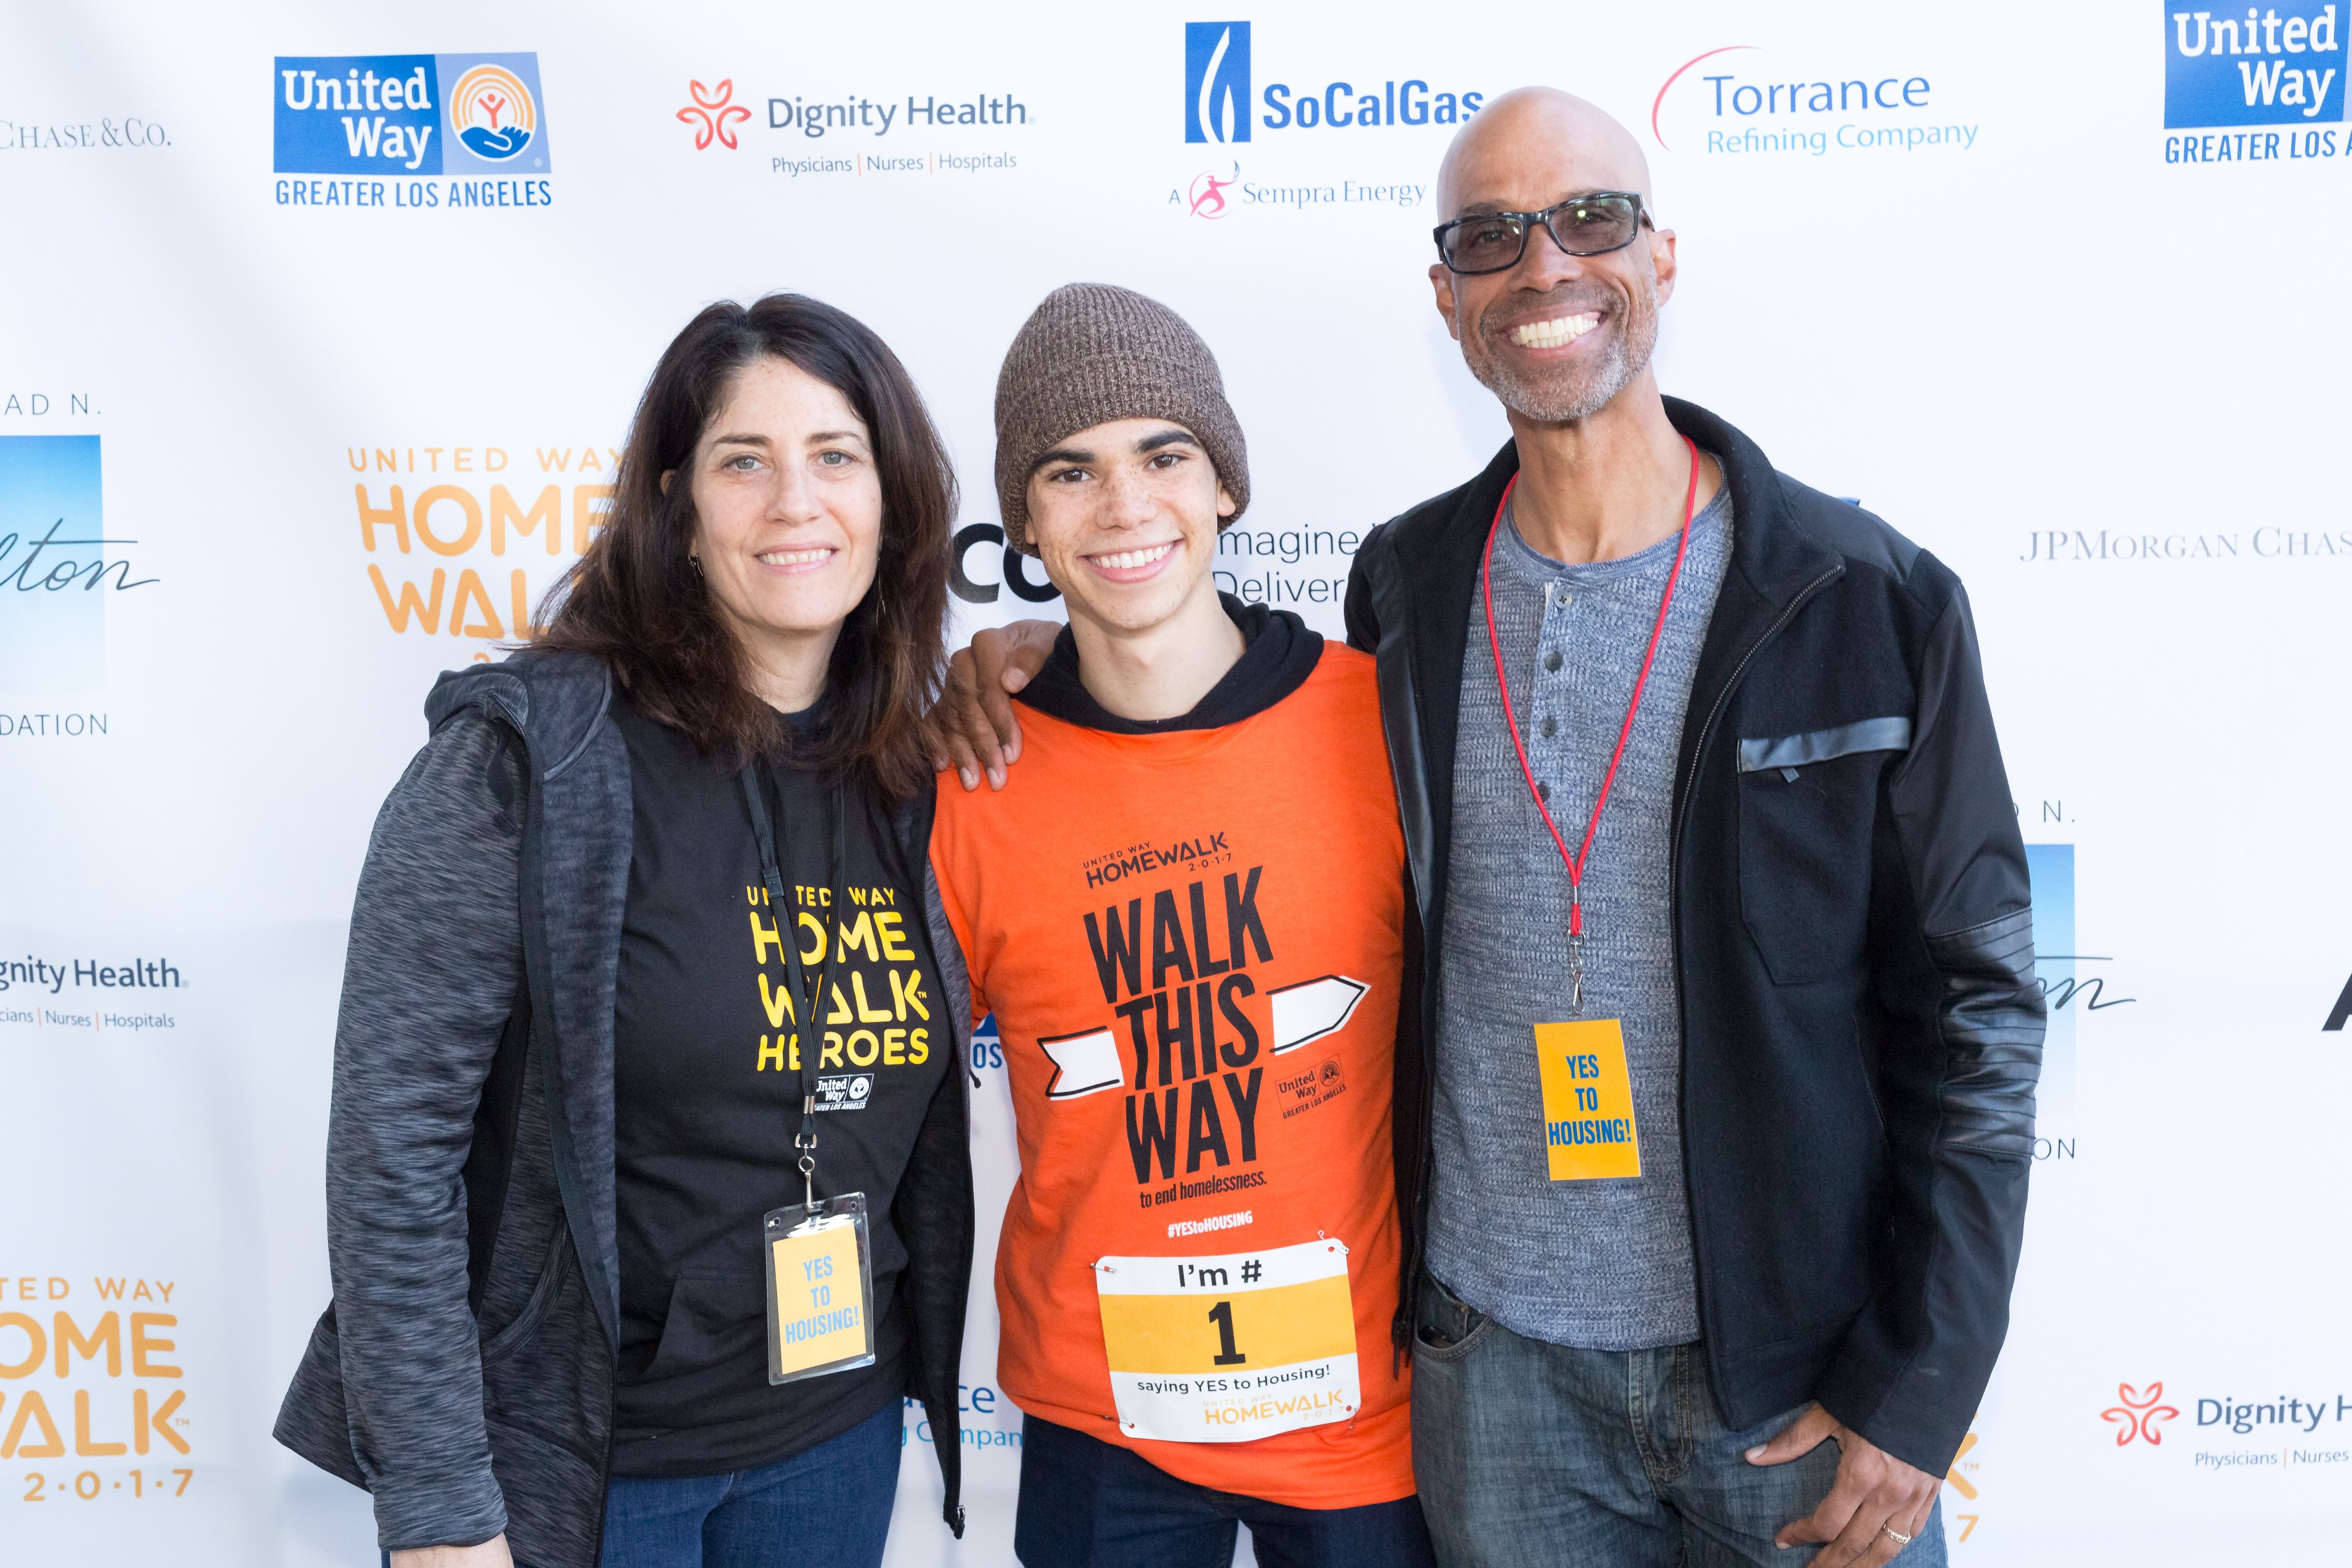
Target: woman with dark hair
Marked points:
629	1266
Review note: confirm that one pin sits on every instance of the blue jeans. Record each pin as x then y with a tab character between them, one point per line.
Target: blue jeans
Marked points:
1085	1501
1531	1455
827	1508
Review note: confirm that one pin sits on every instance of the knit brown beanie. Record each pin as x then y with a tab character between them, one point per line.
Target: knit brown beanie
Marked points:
1093	352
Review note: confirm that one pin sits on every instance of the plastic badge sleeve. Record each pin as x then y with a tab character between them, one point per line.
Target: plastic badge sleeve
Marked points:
820	1289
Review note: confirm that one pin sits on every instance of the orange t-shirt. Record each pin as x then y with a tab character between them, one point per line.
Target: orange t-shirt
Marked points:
1193	942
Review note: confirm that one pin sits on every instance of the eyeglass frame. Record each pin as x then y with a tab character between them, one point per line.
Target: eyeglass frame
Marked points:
1534	220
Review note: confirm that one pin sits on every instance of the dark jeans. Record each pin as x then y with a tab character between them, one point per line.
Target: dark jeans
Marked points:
1540	1455
1085	1502
827	1508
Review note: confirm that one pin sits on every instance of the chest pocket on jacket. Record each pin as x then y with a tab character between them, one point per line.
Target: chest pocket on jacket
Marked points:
1807	806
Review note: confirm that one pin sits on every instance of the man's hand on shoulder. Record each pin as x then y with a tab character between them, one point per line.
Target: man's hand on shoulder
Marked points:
491	1553
1874	1493
977	724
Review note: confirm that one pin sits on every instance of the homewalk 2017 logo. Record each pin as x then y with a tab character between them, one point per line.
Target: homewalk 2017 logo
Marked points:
377	131
2279	65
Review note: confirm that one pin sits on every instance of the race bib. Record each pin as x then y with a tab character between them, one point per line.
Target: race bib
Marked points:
1588	1101
1224	1349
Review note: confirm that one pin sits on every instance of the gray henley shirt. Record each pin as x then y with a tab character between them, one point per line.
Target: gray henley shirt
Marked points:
1602	1265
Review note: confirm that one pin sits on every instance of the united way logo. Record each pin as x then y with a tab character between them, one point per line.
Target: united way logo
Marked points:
409	114
1216	81
2138	1415
2284	67
493	114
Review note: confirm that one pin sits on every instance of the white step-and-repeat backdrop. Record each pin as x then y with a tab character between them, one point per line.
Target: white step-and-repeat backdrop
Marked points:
319	325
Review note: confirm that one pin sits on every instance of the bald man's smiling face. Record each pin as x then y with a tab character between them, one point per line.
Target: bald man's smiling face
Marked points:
1556	337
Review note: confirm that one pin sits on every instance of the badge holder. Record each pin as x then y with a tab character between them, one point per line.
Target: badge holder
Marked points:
820	1287
820	1251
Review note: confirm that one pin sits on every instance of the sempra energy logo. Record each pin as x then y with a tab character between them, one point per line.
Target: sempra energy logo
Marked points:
2280	65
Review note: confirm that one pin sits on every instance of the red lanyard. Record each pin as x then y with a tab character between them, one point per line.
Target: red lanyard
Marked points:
1575	863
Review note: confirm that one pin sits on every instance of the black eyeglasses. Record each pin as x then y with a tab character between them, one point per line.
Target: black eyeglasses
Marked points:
1591	225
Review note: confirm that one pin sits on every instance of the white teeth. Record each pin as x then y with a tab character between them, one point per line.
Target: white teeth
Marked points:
1127	560
1559	329
792	557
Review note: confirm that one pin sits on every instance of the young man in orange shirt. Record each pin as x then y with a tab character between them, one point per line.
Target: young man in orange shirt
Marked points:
1187	911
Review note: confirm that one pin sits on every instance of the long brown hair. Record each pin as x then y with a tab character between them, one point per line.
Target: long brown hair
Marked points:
636	600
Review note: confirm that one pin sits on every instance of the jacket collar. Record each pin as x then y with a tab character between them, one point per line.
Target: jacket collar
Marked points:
1774	564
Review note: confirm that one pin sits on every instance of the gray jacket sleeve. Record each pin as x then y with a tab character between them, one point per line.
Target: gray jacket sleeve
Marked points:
432	973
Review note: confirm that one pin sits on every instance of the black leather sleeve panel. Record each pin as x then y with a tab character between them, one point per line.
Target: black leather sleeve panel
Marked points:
1993	1021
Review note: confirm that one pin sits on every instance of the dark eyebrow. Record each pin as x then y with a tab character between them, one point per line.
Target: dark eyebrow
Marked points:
837	435
1152	443
738	440
1063	454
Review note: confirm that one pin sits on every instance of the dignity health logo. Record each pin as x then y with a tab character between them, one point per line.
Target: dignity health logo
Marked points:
2279	65
410	117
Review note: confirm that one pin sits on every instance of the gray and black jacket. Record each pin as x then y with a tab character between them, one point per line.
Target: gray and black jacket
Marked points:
1861	1030
464	1372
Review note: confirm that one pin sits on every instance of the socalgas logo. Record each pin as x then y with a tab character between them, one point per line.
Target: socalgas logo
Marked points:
385	125
1219	105
1740	102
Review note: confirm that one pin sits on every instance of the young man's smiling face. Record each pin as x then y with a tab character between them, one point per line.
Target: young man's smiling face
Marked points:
1124	516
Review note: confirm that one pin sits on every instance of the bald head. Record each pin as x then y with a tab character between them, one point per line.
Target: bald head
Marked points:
1532	147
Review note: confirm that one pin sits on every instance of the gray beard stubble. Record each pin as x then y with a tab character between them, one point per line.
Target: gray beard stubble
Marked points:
1558	401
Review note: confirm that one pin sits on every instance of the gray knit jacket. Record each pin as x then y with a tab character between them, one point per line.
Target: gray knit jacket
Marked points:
464	1372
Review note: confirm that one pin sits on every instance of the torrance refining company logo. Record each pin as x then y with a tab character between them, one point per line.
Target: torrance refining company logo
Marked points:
712	113
2138	1416
1749	104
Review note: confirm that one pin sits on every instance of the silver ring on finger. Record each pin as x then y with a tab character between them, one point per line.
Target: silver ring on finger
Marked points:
1894	1535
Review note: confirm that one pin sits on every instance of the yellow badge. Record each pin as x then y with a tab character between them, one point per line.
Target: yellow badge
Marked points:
1222	1350
1588	1101
820	1298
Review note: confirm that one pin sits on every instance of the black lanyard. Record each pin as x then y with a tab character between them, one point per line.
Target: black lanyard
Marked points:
807	1010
